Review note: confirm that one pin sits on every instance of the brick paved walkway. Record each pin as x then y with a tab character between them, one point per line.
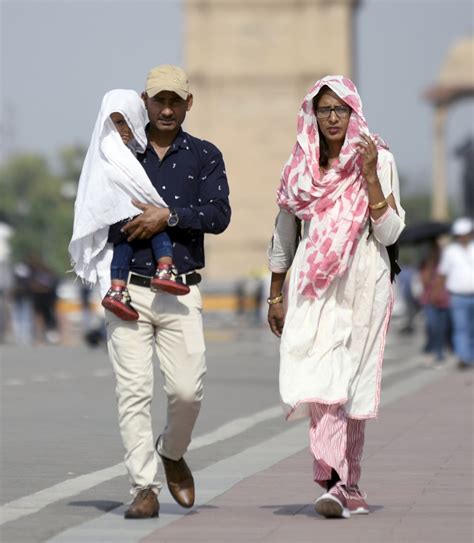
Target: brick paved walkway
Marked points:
417	472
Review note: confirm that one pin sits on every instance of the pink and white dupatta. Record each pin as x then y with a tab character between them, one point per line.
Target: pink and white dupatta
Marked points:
336	204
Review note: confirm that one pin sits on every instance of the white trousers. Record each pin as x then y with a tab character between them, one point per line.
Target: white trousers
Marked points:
172	325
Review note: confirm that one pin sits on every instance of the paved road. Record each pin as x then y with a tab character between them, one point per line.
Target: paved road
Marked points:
62	476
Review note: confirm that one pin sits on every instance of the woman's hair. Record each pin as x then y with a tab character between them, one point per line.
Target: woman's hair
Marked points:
323	146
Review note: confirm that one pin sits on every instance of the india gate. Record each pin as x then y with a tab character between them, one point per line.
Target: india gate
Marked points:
250	63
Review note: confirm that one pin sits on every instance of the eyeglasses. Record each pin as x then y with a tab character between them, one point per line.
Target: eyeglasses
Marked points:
325	112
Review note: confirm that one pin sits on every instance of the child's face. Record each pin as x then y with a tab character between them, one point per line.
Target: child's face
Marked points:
122	127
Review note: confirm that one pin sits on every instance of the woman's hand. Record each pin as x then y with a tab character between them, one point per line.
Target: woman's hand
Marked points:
276	318
147	224
368	150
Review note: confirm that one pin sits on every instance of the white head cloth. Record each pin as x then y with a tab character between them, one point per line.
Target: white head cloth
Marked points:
111	177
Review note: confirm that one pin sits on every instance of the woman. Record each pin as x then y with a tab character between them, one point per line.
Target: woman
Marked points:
343	184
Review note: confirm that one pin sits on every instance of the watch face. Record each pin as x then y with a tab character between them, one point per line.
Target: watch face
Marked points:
173	218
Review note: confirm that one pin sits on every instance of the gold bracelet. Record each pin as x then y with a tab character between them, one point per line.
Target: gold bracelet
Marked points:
277	300
380	205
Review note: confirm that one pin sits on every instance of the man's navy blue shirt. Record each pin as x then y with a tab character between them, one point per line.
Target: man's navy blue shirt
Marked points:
191	179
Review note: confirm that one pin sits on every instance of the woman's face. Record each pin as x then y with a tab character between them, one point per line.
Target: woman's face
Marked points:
122	127
332	115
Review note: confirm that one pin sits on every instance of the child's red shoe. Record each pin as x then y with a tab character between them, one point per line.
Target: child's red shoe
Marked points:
165	281
118	301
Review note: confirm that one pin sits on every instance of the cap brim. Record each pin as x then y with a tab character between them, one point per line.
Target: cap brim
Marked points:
153	91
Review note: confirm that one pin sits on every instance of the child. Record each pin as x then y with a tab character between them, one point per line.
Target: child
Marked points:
117	298
111	177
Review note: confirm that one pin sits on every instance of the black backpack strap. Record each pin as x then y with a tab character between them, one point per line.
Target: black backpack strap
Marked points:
298	231
393	251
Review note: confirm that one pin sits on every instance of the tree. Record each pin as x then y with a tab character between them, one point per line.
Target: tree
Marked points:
36	205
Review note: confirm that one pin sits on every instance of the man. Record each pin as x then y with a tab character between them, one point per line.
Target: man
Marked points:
189	174
456	268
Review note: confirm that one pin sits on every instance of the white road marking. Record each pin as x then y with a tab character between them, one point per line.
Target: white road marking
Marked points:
39	379
214	480
236	427
37	501
102	372
14	382
62	376
210	482
33	503
58	376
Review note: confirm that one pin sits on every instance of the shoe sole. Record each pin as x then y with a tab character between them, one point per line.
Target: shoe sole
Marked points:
119	311
359	511
330	507
153	515
170	287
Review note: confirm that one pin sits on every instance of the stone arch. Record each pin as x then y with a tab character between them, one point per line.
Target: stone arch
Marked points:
455	82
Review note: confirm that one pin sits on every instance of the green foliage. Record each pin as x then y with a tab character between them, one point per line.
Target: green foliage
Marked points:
35	203
417	208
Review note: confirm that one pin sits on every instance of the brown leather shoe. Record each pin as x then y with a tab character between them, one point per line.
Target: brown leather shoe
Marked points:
180	481
145	505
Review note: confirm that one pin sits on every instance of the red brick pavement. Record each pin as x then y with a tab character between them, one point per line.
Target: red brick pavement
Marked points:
417	472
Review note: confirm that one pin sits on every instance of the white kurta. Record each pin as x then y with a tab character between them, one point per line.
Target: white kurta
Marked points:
332	348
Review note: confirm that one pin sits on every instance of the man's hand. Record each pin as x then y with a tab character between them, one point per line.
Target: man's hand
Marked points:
147	224
276	318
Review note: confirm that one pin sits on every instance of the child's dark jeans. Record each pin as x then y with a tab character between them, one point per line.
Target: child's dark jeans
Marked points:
123	252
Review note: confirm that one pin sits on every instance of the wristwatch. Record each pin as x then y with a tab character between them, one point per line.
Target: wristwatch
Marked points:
173	218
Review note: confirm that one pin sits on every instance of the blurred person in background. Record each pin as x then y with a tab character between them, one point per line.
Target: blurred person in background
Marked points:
456	270
434	300
44	283
21	304
343	183
6	232
93	325
87	314
407	281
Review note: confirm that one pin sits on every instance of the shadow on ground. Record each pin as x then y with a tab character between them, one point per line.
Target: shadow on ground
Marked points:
305	509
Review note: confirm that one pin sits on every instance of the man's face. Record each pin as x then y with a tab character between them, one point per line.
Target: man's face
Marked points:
166	110
122	127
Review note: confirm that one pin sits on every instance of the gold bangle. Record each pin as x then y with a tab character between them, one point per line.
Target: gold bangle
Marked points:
380	205
277	300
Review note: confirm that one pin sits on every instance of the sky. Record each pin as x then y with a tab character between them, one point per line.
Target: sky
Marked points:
59	57
401	45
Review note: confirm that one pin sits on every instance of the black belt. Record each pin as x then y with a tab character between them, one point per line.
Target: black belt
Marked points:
190	279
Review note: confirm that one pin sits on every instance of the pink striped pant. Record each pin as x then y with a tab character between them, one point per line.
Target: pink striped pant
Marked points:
336	442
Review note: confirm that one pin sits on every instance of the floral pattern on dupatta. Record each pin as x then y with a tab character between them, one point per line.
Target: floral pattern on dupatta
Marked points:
336	203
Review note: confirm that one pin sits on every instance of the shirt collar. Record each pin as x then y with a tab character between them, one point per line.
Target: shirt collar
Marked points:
181	140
